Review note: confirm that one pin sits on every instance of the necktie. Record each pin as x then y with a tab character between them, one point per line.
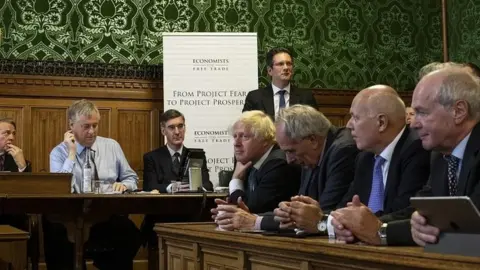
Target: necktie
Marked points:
252	179
176	162
377	193
2	162
452	166
282	99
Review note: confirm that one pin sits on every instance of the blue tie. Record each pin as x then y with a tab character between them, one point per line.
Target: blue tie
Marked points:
282	98
375	202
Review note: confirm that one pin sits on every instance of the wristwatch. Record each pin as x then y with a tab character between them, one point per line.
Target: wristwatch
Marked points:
322	224
382	233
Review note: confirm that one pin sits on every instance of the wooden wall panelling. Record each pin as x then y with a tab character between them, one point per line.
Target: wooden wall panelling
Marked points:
48	126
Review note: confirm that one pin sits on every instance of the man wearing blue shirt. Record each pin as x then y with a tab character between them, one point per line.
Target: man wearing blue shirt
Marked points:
81	145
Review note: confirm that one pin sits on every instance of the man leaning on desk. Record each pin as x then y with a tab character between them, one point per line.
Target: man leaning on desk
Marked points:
108	164
447	106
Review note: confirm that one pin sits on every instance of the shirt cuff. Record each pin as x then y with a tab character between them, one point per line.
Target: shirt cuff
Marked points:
21	170
235	184
169	188
130	186
258	223
330	228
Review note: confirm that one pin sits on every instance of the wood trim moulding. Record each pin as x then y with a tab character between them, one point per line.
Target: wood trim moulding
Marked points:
77	87
344	97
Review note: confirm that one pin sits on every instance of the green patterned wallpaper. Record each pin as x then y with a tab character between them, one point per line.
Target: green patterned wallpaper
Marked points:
345	44
463	22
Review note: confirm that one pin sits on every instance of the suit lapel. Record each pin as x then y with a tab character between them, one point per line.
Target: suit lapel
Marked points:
267	100
366	172
306	174
294	97
392	168
469	159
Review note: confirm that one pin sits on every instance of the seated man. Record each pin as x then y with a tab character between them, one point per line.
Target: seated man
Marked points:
12	160
392	167
262	176
447	106
163	165
110	165
410	115
326	154
11	156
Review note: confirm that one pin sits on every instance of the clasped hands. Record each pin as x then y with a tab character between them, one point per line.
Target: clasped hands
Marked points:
302	212
356	221
233	217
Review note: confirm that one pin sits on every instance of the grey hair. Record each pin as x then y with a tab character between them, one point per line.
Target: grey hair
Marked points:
460	85
302	121
81	107
434	66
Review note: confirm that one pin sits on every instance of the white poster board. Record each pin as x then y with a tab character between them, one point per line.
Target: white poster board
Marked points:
206	77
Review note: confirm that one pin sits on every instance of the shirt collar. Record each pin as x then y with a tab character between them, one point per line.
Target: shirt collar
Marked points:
259	163
276	89
459	150
387	153
81	147
172	152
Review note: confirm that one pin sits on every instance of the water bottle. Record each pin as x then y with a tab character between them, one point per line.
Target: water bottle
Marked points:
87	176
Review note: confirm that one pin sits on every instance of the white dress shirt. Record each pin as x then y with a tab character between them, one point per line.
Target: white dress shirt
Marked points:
276	97
387	154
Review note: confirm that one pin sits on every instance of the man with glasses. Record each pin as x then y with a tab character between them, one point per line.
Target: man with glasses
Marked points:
162	166
280	93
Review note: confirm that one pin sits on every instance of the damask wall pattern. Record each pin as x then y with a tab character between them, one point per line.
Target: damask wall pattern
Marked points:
464	30
344	44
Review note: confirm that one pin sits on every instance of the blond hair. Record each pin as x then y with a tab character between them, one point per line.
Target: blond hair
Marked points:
259	124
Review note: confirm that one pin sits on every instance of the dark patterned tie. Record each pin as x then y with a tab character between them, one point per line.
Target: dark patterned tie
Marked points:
2	162
176	162
252	179
377	193
282	99
452	167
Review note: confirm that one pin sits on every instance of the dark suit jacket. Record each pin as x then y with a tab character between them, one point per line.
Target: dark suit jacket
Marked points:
407	173
275	181
332	178
398	230
11	166
158	170
262	99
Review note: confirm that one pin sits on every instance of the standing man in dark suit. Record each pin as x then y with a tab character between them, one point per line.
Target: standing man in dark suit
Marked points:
447	106
11	156
326	154
280	93
163	165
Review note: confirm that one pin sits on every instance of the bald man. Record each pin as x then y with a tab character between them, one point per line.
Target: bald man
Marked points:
392	166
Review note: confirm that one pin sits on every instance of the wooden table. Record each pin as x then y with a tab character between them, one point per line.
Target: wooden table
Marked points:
13	247
78	211
199	246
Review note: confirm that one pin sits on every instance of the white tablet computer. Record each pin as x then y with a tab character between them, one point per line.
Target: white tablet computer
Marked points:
449	214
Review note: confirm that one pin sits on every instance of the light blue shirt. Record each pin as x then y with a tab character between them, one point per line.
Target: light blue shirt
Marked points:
109	162
459	151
